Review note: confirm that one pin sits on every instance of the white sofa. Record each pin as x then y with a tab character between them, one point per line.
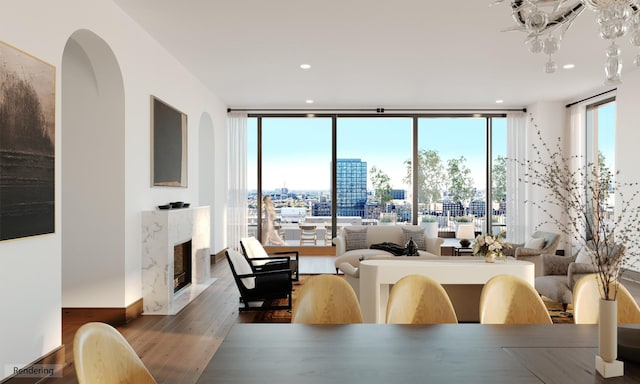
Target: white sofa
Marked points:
464	297
353	242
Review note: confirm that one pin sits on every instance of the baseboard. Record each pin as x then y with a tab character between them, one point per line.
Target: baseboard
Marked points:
54	359
113	316
218	256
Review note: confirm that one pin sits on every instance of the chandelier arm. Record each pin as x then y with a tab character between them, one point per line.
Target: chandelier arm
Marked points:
568	15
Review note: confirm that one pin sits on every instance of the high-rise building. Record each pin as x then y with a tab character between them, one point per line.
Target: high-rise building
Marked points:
351	187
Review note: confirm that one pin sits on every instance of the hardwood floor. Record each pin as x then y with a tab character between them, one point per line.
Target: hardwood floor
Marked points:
177	348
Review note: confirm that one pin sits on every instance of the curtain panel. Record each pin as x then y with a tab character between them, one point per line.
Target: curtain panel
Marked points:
516	217
237	212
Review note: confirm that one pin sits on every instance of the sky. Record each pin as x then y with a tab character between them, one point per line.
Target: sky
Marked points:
297	151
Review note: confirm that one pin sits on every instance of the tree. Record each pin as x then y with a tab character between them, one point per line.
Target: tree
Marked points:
499	178
381	186
460	180
430	176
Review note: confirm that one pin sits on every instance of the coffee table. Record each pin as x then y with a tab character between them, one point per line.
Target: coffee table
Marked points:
378	276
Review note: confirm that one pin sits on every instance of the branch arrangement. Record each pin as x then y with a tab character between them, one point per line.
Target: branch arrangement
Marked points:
581	192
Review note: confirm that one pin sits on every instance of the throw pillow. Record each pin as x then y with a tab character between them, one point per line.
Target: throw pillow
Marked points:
535	243
416	233
356	238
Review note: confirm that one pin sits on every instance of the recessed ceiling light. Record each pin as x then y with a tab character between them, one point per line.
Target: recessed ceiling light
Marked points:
499	101
569	66
305	66
309	101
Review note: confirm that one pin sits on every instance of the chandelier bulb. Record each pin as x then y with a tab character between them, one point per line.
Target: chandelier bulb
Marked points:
550	66
635	38
613	50
536	45
551	45
636	60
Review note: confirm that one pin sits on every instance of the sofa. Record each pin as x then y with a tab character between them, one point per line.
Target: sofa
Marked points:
354	242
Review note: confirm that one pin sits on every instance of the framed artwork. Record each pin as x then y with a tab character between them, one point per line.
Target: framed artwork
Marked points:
27	144
168	145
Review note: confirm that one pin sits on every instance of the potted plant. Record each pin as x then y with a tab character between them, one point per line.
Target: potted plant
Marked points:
430	225
387	218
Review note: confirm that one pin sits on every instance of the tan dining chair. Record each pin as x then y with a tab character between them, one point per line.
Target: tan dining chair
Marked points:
326	299
418	299
586	302
507	299
102	355
308	234
328	235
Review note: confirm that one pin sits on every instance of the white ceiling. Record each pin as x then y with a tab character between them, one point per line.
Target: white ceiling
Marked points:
400	54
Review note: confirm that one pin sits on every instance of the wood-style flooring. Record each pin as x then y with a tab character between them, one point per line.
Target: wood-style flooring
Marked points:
176	348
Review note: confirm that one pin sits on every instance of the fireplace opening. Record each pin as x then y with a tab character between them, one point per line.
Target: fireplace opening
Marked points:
181	265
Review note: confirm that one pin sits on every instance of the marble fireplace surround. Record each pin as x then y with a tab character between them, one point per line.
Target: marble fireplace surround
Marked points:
161	231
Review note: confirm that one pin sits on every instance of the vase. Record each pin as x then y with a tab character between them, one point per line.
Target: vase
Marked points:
606	362
608	330
490	257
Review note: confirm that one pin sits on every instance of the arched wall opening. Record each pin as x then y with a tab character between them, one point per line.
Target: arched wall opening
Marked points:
93	174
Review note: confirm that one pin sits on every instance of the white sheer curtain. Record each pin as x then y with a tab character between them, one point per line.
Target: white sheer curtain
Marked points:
516	219
577	147
237	214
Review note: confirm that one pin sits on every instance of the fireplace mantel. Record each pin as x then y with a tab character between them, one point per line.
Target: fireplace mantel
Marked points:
161	231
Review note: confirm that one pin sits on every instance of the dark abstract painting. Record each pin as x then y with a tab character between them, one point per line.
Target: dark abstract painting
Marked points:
27	145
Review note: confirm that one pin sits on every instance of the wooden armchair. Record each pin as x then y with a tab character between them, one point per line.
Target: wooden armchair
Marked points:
262	286
260	260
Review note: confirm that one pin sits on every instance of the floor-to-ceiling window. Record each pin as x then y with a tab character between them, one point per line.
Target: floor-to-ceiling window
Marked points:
452	163
295	160
600	143
292	166
373	181
498	175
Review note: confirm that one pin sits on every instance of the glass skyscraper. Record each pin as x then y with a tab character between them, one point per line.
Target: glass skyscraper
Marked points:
351	187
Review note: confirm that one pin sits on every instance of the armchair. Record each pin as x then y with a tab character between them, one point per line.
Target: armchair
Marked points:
559	276
261	261
259	285
526	251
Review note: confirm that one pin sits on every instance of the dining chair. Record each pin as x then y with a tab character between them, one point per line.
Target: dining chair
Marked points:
418	299
102	355
586	302
326	299
586	296
507	299
328	235
308	234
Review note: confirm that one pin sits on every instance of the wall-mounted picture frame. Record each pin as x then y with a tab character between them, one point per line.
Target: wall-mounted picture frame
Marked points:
168	145
27	144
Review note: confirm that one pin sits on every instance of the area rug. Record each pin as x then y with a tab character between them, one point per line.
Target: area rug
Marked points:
558	315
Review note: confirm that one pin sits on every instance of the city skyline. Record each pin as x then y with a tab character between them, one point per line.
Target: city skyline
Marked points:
297	151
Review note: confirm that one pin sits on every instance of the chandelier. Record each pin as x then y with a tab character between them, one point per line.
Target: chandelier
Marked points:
546	21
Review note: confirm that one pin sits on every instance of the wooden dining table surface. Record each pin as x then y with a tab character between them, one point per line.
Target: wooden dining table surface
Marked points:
393	354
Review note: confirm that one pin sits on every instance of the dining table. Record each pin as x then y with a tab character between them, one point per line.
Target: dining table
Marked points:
393	354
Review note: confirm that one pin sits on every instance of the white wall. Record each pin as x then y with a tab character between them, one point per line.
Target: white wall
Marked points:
628	134
30	268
